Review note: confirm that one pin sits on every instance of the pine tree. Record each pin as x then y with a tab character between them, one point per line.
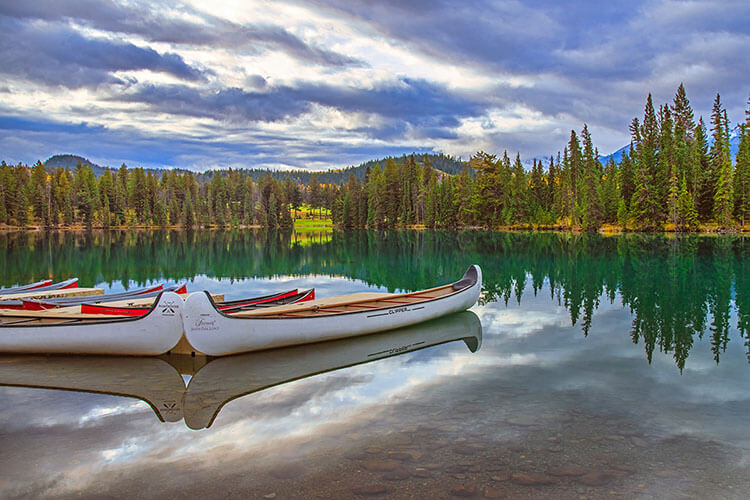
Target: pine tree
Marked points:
247	204
684	127
488	195
316	199
647	205
5	181
722	165
519	193
573	167
590	202
392	193
704	178
667	170
609	195
742	173
188	217
686	215
38	193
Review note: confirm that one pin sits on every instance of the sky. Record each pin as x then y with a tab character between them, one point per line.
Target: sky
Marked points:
319	84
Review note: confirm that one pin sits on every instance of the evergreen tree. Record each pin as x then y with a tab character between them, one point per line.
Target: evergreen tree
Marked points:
687	216
5	181
38	193
704	179
742	173
247	204
316	199
722	165
590	201
609	196
188	217
647	203
684	140
393	193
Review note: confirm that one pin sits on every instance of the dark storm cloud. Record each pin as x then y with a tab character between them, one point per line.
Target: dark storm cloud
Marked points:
507	35
56	55
592	61
152	23
403	104
586	39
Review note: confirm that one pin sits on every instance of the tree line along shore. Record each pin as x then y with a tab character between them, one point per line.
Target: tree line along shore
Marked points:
677	175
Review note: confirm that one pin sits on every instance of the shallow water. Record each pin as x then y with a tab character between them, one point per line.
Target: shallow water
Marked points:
593	367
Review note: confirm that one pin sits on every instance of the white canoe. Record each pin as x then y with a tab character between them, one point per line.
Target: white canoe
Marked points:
213	333
215	382
225	379
151	334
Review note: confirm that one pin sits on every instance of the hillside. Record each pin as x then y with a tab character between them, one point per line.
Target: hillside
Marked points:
70	162
440	162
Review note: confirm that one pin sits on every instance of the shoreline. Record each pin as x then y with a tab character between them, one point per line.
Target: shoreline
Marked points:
604	230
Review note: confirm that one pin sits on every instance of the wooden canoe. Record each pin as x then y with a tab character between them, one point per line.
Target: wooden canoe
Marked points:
211	332
48	332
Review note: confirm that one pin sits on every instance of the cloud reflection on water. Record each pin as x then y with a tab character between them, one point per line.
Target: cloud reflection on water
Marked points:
533	366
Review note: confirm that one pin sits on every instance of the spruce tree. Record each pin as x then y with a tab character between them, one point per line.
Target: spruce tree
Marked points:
704	178
742	173
5	180
590	202
39	192
667	169
188	217
647	206
609	195
519	193
687	216
684	127
722	166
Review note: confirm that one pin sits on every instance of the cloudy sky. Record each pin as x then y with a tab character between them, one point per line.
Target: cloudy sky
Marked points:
329	83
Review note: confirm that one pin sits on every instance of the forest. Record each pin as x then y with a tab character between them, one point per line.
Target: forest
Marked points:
677	175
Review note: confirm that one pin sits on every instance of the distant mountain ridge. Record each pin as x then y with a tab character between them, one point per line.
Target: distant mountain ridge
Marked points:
441	162
70	162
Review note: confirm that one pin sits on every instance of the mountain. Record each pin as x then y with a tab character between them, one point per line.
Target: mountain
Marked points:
441	162
70	162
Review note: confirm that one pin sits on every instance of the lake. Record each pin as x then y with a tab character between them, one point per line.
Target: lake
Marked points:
594	366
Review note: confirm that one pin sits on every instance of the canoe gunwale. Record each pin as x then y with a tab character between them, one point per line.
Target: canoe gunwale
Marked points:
210	332
25	288
470	278
74	301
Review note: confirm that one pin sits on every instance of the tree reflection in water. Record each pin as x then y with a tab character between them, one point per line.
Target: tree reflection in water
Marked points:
677	287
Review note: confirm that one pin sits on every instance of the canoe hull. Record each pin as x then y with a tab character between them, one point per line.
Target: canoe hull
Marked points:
214	334
149	335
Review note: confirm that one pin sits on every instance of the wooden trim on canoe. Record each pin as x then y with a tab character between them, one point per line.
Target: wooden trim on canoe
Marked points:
353	303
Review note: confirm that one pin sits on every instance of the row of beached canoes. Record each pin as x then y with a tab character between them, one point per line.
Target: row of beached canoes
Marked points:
204	324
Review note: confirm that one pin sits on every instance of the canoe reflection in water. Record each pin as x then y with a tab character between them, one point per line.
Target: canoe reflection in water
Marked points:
215	381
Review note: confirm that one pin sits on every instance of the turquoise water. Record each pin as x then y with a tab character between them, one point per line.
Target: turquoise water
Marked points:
593	367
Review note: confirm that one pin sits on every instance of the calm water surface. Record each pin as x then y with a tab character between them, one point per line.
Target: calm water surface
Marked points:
593	367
